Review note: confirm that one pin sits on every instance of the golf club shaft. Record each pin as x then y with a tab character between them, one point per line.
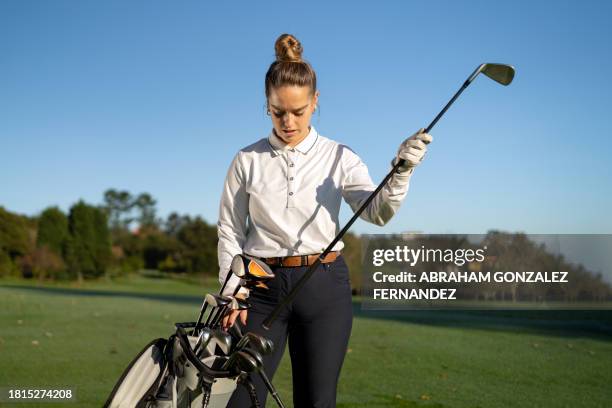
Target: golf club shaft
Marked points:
204	306
202	311
271	388
217	319
197	346
227	278
267	323
212	316
220	317
443	111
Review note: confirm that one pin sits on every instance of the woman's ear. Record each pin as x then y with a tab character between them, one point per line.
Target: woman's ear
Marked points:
315	100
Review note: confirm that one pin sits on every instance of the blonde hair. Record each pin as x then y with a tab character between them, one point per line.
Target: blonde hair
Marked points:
289	67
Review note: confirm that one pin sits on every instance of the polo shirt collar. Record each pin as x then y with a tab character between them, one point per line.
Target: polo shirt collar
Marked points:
278	146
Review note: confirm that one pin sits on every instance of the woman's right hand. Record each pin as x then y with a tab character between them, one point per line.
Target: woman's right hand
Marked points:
229	320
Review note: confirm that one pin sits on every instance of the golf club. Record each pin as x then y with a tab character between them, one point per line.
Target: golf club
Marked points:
231	361
252	269
248	361
222	339
259	367
216	301
209	299
203	338
259	343
235	331
238	271
500	73
235	304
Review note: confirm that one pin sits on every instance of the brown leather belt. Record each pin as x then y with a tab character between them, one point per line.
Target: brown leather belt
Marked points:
300	260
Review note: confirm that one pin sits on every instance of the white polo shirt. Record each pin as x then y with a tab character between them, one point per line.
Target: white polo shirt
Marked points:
282	201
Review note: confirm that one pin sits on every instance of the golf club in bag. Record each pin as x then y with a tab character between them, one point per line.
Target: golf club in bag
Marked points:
200	365
500	73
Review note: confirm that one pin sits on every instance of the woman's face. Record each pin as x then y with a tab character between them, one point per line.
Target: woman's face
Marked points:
291	108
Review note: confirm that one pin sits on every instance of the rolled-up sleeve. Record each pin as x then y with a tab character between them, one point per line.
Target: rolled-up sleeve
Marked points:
232	224
357	187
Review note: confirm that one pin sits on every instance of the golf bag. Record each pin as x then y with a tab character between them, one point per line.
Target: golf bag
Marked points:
177	373
168	374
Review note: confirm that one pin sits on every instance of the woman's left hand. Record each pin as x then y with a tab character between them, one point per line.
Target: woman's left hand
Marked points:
229	320
413	150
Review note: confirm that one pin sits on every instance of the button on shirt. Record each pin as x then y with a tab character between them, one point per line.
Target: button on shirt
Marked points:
281	201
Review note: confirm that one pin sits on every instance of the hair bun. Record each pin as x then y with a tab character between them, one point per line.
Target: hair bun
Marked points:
288	49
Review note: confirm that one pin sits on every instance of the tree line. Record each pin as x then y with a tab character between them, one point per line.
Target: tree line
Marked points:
119	236
123	234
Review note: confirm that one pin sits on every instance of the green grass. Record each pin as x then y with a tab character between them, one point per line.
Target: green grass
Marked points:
82	338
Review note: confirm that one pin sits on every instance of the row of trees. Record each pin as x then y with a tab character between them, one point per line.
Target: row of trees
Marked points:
121	235
55	245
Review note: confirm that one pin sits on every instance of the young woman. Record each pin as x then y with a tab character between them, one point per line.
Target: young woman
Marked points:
280	203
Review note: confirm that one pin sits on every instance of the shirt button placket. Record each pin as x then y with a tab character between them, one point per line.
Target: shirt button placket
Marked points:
290	178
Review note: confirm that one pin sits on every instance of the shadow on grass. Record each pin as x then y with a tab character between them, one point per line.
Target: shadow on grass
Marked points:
181	299
391	401
595	324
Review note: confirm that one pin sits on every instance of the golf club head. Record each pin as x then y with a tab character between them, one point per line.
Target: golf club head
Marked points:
256	357
234	305
232	362
250	268
237	266
246	362
203	340
257	342
217	300
501	73
204	336
224	341
240	304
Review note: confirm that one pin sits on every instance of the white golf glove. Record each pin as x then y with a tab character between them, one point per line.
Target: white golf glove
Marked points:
412	150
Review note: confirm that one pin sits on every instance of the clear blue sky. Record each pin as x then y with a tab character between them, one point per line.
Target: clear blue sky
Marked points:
158	96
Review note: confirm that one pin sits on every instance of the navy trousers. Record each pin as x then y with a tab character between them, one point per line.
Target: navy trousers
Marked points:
317	326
